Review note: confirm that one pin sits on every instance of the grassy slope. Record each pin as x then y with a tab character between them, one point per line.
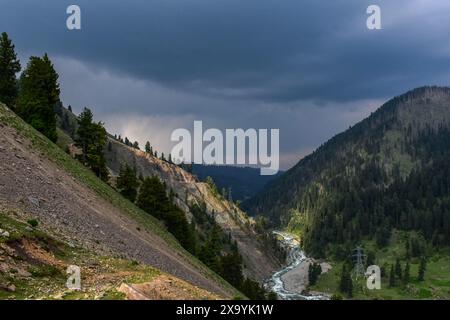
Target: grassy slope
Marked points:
85	176
435	286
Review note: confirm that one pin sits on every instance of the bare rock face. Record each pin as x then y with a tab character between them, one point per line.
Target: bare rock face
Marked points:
259	264
4	233
34	201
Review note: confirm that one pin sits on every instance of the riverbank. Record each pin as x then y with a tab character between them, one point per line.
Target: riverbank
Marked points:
297	279
291	282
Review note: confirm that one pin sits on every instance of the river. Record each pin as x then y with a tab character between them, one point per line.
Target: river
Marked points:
295	256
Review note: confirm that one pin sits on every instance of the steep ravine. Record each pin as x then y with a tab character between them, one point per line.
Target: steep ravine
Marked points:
259	263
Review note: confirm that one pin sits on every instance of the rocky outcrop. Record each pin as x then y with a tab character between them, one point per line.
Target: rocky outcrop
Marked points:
259	263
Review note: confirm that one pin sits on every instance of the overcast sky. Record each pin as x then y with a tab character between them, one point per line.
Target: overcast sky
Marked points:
308	67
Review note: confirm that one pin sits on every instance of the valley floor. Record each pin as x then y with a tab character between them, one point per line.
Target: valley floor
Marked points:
436	284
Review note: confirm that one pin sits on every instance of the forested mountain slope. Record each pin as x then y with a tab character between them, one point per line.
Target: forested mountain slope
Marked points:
391	170
238	183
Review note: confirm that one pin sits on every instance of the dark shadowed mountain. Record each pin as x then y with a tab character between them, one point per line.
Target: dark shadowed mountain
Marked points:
245	182
390	171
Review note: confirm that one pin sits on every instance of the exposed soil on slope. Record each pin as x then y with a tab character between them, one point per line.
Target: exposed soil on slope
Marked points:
34	266
164	288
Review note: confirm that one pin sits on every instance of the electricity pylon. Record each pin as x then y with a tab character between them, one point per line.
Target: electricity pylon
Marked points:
359	258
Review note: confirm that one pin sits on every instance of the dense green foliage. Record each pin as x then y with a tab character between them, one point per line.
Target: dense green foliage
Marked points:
390	171
91	139
127	182
202	237
9	67
434	286
220	253
422	269
153	199
346	283
400	276
314	271
39	95
212	185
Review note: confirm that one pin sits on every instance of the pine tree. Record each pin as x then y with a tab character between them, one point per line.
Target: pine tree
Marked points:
127	182
136	145
422	269
38	96
91	138
407	249
9	67
314	271
392	277
224	193
84	133
211	251
370	258
346	283
406	275
350	286
148	147
210	182
153	199
398	269
231	268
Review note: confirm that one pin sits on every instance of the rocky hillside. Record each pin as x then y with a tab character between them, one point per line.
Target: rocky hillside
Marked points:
390	171
33	265
258	257
258	261
39	181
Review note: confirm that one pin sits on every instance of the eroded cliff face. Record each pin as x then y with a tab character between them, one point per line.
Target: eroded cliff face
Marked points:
259	263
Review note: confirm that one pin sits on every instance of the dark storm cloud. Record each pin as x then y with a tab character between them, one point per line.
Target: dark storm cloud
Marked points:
253	49
308	67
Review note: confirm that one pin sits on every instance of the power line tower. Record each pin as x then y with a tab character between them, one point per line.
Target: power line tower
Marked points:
359	259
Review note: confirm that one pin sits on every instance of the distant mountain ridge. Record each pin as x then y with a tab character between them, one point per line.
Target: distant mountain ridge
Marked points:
244	182
388	171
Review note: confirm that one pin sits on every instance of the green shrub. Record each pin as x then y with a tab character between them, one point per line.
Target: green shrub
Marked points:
33	222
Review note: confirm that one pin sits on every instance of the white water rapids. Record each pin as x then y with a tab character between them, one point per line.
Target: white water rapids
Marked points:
295	257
